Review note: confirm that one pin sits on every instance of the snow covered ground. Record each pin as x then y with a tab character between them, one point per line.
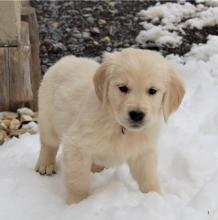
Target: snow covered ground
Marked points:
165	24
188	164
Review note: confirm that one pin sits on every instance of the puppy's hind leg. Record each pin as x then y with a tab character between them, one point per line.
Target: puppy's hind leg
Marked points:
46	164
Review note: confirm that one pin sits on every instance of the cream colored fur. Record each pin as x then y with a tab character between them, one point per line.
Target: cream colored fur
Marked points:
81	106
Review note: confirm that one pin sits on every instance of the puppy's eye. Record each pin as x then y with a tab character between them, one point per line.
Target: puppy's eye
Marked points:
123	89
152	91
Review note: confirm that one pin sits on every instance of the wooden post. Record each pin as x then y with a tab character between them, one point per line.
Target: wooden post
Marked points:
20	72
29	15
4	80
16	89
10	22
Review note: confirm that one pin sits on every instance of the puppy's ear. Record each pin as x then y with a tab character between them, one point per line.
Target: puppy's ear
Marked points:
101	78
100	81
173	96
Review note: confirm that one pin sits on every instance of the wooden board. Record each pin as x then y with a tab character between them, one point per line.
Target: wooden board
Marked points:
15	76
29	15
10	22
4	80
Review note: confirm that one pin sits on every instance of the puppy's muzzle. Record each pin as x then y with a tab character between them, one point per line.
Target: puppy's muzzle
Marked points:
136	117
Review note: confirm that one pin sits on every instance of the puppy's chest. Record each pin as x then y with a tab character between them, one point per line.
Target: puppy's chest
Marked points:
118	149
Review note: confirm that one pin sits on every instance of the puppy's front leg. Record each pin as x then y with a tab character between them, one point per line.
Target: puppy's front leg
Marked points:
77	168
144	169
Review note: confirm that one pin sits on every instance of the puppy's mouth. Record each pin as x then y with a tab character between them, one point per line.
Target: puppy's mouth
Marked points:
128	124
134	125
137	125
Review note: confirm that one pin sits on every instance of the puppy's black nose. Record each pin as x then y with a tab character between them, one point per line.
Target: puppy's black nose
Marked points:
136	116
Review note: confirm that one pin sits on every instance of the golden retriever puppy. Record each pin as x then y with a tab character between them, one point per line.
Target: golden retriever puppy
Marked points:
106	115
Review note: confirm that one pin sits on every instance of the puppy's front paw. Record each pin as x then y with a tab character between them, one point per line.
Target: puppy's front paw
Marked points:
75	198
158	190
152	187
45	167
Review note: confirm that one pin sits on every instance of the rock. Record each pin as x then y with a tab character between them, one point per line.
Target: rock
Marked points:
55	24
26	118
95	43
8	115
3	136
32	126
15	124
114	11
68	30
56	36
77	35
86	35
100	8
101	22
106	40
5	124
112	4
25	111
109	49
17	133
112	30
58	47
95	30
91	20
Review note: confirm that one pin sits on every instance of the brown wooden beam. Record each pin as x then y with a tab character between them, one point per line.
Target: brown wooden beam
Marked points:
10	22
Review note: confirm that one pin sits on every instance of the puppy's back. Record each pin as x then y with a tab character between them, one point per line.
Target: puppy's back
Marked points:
62	88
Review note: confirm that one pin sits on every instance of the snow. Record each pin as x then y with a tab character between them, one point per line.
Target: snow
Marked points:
204	51
188	163
203	19
166	23
188	160
160	36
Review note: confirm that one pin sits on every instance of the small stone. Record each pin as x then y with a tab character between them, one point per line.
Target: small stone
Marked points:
114	11
77	35
55	24
15	124
17	133
25	111
56	36
86	15
87	10
106	39
32	126
26	118
100	8
113	30
95	30
5	124
109	49
59	46
86	35
112	4
95	43
91	20
8	115
102	22
3	136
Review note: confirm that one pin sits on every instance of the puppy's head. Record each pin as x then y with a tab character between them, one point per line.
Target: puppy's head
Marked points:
138	86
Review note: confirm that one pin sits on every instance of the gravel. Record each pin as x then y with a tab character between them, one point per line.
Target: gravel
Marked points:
88	28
